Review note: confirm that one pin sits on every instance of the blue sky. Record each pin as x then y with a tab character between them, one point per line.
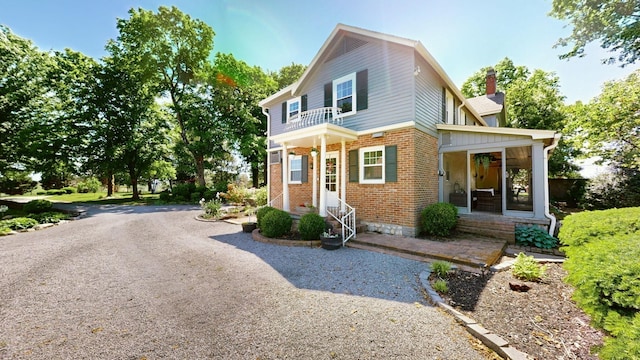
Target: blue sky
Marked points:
463	35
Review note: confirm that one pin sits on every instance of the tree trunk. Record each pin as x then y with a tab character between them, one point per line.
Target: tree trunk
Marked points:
200	169
265	170
255	173
134	181
110	180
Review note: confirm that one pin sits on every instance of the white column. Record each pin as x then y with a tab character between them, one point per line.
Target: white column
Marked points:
322	208
343	174
315	180
285	178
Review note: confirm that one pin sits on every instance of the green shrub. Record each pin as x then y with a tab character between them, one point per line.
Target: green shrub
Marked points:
37	206
209	195
441	286
603	248
235	194
195	197
527	268
69	190
20	223
165	196
56	192
260	213
311	226
276	223
179	198
439	219
41	192
4	230
91	184
200	190
441	268
184	190
535	236
212	208
261	196
52	217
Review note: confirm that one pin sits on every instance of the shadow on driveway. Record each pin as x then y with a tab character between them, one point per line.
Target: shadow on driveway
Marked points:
345	271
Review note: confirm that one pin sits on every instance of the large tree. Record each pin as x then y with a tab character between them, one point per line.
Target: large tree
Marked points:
615	23
533	101
172	50
609	125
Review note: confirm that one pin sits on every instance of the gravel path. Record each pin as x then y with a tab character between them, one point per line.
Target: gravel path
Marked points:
151	283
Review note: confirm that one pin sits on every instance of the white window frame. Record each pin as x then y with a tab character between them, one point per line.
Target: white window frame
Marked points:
351	77
293	101
362	165
291	159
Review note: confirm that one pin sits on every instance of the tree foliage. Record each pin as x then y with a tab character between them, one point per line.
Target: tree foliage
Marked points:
615	23
288	74
533	101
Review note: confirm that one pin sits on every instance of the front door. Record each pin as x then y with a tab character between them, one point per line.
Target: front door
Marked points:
332	179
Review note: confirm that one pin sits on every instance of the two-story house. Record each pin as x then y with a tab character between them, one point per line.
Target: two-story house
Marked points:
375	128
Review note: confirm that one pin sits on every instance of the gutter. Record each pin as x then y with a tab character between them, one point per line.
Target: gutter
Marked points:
547	214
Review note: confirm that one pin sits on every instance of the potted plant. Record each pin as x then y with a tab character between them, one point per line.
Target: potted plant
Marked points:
249	226
330	240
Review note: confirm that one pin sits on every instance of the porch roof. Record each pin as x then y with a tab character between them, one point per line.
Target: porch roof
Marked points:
549	136
310	136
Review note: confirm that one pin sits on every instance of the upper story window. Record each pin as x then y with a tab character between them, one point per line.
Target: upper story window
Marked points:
372	165
350	93
293	108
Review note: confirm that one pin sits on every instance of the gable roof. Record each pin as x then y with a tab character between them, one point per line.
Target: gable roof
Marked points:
342	30
487	105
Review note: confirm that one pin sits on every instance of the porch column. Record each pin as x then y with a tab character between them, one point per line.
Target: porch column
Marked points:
285	177
343	174
315	181
537	182
322	208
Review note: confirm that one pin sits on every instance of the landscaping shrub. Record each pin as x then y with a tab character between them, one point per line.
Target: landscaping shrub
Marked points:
527	268
276	223
261	196
56	192
260	213
209	195
37	206
179	198
195	197
311	226
535	236
165	196
184	190
603	248
441	268
235	194
439	219
41	192
69	190
89	185
211	208
52	217
441	286
20	223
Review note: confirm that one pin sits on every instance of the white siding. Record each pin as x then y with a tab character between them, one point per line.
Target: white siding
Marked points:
428	97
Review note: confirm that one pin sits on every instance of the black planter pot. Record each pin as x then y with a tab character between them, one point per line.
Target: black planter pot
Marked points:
249	227
331	243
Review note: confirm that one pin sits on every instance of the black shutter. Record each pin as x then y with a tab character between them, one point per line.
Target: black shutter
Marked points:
391	163
362	90
328	95
353	166
303	103
304	177
444	105
284	112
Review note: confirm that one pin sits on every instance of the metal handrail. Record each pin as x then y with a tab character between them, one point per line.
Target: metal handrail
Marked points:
276	201
346	216
313	117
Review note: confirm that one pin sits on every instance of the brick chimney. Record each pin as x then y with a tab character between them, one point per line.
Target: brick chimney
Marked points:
491	82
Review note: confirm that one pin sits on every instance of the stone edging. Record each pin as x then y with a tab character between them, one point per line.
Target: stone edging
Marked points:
491	340
302	243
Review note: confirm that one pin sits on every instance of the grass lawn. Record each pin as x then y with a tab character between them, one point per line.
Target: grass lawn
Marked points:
100	197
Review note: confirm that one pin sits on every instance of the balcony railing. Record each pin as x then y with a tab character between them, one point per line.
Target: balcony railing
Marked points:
313	117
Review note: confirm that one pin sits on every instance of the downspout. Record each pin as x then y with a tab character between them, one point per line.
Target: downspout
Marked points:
547	214
460	113
266	113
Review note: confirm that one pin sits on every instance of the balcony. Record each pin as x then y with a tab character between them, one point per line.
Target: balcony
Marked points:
325	115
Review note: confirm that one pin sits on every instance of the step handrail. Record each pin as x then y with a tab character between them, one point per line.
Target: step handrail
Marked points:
346	216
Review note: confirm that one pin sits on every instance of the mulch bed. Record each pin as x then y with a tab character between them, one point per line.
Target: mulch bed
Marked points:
543	322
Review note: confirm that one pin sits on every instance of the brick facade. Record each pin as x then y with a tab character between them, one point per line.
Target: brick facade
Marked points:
384	207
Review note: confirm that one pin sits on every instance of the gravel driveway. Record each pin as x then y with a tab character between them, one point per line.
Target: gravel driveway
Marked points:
150	282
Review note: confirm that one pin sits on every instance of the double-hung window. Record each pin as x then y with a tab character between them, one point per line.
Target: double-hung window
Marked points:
293	108
372	165
295	169
345	95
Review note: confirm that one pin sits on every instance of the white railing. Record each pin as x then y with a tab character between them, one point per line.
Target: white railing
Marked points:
276	202
346	216
313	117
